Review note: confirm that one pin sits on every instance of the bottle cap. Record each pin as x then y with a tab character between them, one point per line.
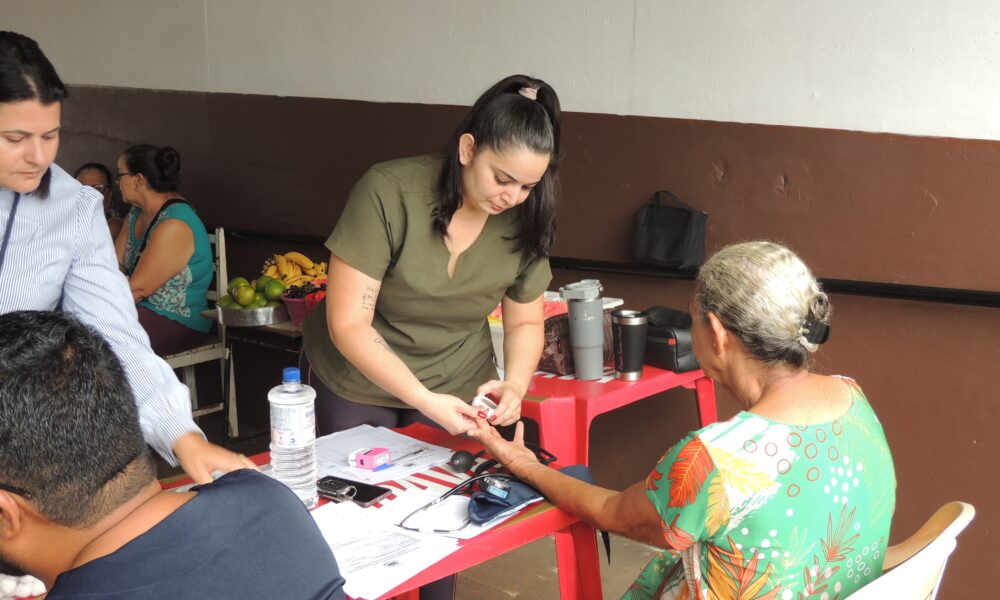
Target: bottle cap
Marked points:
291	375
587	289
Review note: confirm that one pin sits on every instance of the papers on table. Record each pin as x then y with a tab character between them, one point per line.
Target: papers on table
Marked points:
374	556
409	456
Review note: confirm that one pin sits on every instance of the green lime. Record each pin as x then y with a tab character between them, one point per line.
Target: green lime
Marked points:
244	295
226	301
274	289
262	282
260	302
272	303
235	283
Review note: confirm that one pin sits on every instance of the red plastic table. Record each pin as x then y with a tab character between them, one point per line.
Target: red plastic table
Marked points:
565	407
576	556
577	560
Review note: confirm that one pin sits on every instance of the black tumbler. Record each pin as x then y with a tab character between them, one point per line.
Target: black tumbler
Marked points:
628	338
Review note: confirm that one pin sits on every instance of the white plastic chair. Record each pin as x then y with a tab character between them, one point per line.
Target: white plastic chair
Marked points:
915	566
216	349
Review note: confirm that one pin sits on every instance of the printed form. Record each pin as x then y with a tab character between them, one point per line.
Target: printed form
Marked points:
375	556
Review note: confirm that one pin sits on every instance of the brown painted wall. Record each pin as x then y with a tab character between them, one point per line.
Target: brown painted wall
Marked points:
856	206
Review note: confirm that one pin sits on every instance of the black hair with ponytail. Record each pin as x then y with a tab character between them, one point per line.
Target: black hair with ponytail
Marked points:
503	118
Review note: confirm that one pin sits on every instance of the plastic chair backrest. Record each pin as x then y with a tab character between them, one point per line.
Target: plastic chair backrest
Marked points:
915	566
218	241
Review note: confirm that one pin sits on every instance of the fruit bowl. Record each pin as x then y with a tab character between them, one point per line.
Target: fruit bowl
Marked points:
252	317
299	308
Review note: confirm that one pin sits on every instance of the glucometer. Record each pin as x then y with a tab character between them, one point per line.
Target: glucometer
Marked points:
486	405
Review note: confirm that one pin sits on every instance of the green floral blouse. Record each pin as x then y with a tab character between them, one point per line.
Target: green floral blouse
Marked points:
753	509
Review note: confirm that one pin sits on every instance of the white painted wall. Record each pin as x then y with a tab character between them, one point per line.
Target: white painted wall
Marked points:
908	66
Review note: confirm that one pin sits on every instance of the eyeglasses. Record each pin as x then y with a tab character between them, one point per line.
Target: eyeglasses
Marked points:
16	490
101	187
118	176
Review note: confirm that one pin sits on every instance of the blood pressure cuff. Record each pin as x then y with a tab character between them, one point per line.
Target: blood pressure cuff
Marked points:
485	508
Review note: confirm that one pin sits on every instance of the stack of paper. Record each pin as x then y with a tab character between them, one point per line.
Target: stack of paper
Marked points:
409	456
375	556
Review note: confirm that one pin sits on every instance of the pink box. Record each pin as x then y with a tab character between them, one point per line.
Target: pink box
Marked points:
369	458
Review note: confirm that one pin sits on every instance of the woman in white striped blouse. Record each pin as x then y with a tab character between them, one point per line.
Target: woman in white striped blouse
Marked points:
57	252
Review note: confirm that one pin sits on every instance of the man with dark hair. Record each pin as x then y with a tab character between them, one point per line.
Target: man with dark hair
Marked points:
80	507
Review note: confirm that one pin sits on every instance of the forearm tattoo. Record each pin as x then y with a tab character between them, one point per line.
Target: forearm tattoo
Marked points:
368	298
381	342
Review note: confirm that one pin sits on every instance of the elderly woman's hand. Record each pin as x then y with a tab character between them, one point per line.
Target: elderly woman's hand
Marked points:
513	455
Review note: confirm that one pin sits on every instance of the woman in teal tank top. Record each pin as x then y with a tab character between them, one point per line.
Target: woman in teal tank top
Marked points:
163	249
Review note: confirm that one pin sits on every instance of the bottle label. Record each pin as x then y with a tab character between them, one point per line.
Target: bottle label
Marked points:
293	426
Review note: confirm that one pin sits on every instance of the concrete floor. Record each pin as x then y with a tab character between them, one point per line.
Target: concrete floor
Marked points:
527	573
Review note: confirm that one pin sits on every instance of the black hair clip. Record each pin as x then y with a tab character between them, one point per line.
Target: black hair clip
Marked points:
817	332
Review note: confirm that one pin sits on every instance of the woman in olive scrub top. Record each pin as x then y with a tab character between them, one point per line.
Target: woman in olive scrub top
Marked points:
425	249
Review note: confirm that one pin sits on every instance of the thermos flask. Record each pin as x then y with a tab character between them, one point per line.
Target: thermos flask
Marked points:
586	327
628	339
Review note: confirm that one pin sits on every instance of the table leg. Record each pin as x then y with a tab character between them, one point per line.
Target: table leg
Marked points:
578	563
704	390
556	417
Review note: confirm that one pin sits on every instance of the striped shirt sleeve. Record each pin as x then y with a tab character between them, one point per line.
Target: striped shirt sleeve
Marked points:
97	293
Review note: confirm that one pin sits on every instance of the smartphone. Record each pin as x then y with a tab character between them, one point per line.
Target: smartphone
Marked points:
338	489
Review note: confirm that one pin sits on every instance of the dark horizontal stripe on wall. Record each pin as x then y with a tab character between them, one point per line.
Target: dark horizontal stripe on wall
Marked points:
283	238
838	286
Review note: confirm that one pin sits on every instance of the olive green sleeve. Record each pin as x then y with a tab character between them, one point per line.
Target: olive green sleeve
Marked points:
532	280
363	235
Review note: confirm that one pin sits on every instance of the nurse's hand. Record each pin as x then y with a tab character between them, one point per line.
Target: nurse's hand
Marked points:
508	396
454	415
200	459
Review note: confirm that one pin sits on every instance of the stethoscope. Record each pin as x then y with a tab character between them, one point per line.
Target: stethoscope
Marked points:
463	460
465	485
10	227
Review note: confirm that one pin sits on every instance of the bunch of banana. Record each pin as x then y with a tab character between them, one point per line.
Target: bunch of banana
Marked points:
293	268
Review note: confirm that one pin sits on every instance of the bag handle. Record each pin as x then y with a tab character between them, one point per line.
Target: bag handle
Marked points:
149	227
672	198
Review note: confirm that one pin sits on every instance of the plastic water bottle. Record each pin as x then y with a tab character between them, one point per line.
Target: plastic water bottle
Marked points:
293	435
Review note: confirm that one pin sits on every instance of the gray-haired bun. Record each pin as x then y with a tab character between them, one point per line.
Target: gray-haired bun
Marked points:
766	295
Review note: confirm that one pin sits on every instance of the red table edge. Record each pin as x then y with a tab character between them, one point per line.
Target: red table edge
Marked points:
490	544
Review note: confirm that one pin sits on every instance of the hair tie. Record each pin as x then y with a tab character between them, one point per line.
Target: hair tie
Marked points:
529	93
816	332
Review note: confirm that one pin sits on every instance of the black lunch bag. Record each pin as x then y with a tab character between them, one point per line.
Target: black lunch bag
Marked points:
668	340
669	233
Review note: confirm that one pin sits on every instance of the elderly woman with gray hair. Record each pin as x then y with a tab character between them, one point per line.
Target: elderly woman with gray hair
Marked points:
791	497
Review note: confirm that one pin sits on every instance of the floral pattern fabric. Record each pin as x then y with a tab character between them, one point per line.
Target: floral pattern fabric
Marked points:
754	509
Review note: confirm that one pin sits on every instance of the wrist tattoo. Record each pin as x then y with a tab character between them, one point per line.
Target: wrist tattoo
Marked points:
368	298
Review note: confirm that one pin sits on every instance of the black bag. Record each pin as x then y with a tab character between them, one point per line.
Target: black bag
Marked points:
668	340
669	233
